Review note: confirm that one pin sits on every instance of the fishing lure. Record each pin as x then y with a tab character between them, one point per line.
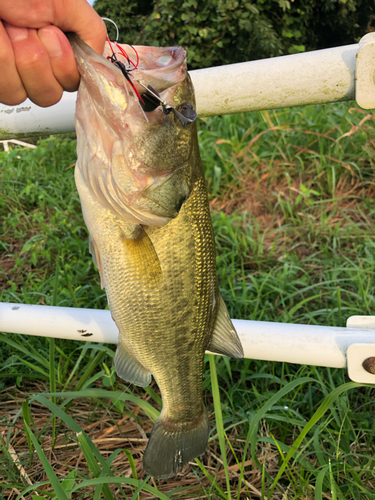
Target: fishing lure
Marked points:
185	115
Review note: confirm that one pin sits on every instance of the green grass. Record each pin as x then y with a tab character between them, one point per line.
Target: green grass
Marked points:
292	194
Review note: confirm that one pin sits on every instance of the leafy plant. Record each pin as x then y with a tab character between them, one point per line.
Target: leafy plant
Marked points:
219	32
292	198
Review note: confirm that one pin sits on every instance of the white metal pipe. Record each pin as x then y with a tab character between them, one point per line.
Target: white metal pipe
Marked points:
315	77
319	76
59	322
301	344
28	119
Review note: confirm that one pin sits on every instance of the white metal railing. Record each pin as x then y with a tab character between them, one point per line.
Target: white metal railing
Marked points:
301	344
323	76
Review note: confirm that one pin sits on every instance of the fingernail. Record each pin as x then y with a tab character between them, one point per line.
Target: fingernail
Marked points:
15	33
51	42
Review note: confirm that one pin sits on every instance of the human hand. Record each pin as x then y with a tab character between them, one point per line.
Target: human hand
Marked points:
36	59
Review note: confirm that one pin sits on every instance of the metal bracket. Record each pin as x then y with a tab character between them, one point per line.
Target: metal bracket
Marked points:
365	72
361	357
361	363
362	322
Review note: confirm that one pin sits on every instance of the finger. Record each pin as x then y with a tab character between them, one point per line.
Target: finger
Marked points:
33	66
78	16
68	15
61	57
12	91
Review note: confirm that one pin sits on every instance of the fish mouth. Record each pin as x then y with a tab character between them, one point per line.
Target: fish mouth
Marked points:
159	68
117	137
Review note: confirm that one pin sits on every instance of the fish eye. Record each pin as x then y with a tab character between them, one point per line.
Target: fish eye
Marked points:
164	60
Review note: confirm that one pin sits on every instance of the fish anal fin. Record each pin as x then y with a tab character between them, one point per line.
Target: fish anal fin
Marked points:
96	258
130	369
224	338
143	257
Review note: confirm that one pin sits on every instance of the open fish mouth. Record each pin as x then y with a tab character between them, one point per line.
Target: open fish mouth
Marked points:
160	60
158	72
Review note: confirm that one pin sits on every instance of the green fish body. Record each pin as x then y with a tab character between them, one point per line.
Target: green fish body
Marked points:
154	248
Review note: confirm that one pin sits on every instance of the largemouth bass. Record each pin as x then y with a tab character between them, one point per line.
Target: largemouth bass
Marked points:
144	200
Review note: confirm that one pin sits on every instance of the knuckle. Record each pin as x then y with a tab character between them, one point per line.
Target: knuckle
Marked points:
70	85
28	61
47	99
13	99
5	57
70	88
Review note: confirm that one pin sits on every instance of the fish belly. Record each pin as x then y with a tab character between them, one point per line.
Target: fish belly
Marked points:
162	292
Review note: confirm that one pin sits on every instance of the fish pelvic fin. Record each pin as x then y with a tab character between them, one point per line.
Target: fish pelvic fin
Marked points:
143	257
224	338
172	446
130	369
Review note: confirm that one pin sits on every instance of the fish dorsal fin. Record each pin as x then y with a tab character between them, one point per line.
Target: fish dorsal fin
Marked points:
143	257
96	258
130	369
224	338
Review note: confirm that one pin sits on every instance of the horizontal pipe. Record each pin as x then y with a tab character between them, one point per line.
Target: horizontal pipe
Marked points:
314	77
301	344
29	120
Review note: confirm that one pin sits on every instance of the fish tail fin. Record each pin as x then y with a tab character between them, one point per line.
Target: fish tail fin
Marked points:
171	446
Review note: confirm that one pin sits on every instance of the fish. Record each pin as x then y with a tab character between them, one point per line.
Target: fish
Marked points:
144	200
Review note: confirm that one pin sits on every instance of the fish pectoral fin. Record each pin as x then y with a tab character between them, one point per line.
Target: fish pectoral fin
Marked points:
130	369
224	338
142	257
96	258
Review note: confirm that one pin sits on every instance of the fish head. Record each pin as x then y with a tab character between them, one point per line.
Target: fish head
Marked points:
136	156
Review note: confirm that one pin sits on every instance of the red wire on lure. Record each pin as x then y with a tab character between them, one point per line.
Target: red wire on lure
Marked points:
125	71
